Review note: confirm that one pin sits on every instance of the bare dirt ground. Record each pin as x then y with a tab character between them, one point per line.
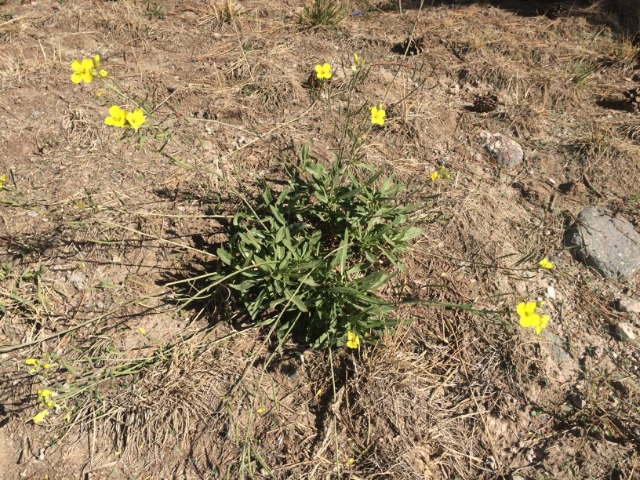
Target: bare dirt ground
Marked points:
92	226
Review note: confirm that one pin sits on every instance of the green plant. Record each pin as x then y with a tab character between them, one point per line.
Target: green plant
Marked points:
323	12
154	10
311	257
582	70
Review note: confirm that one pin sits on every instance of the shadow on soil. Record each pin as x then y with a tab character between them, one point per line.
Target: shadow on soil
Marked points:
622	16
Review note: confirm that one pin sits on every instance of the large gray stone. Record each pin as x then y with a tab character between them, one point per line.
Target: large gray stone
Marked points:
608	244
502	149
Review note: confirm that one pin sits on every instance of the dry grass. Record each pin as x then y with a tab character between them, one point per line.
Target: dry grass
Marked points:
93	227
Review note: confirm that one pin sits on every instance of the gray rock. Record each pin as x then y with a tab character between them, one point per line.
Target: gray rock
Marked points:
555	346
608	244
628	305
502	149
78	280
625	332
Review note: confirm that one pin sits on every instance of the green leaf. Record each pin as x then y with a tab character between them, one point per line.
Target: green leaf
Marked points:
296	300
224	256
370	256
266	195
376	280
281	234
411	233
341	254
278	216
309	281
248	238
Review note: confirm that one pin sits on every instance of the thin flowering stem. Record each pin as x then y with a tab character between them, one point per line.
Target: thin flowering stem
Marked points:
413	29
335	423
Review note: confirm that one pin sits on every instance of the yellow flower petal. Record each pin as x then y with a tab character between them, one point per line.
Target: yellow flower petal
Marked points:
40	416
82	71
87	64
135	119
545	263
323	71
544	320
377	115
433	176
3	180
44	393
31	361
530	320
530	308
142	330
117	117
353	340
444	174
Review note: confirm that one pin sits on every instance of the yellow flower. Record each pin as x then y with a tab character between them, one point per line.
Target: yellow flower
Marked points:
82	71
323	71
44	393
40	416
117	117
103	73
142	330
377	115
545	263
443	173
34	363
530	318
359	63
261	410
44	397
434	176
353	340
96	61
135	119
3	180
525	309
350	462
46	366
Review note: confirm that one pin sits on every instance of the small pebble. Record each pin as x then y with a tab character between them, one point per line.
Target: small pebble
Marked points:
625	332
629	305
